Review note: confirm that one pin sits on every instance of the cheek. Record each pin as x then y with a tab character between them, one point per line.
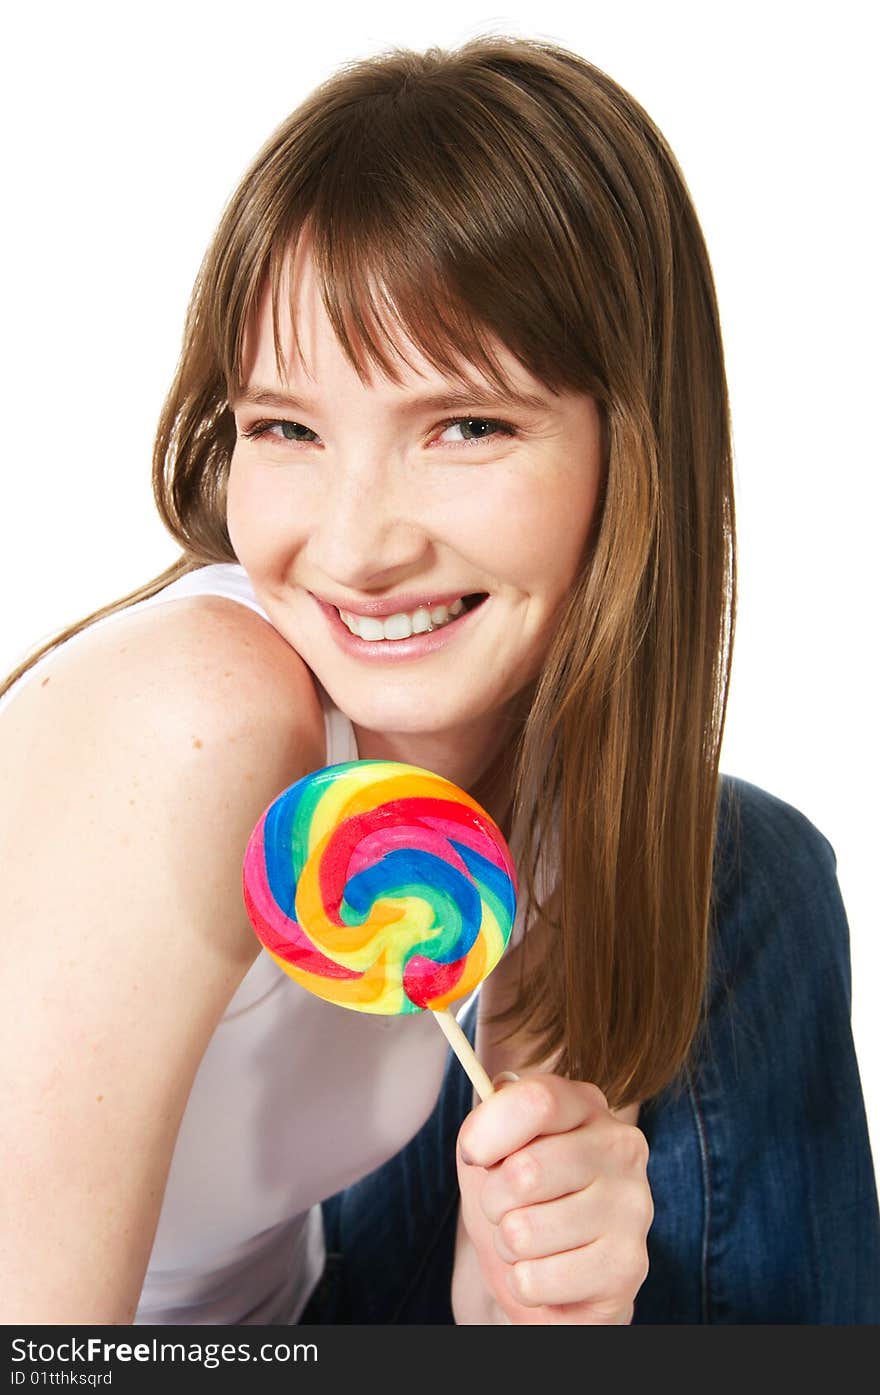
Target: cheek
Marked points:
238	501
254	520
534	536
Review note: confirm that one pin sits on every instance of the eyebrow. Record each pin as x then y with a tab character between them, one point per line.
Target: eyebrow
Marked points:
431	402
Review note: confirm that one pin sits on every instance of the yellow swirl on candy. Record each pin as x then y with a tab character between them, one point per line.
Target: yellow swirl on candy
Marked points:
380	886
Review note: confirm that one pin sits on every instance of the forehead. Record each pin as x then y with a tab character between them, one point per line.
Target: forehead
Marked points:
308	345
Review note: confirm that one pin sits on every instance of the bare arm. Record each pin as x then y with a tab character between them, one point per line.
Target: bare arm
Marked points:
131	780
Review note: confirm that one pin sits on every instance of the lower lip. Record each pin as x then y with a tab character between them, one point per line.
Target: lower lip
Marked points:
383	651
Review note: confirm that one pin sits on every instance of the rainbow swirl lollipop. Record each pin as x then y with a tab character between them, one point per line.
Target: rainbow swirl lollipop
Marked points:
381	887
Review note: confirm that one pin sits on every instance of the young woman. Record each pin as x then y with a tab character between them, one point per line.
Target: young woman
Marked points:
447	456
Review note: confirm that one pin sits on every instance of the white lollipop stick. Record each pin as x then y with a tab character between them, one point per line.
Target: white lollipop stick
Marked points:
465	1053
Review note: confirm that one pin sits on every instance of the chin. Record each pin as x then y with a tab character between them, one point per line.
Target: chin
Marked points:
403	713
403	718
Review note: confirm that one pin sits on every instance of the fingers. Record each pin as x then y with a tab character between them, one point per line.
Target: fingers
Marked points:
573	1221
538	1172
525	1110
556	1202
604	1275
561	1164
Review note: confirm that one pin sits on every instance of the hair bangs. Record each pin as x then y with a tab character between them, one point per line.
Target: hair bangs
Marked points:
424	235
381	311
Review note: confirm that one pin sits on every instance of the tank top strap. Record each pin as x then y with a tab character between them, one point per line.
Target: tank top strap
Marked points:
227	579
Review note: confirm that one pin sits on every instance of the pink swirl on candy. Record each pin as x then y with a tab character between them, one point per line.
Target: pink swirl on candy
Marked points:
380	886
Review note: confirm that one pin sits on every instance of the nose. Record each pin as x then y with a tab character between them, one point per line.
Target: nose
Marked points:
367	533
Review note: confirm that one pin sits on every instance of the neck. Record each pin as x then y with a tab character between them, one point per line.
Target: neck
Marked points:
479	758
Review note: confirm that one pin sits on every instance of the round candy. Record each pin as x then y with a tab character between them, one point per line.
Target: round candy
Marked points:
380	886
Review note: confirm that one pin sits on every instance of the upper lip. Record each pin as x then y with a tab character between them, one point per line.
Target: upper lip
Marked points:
396	605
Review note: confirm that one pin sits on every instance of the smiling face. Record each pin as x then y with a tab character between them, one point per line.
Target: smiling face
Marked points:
367	498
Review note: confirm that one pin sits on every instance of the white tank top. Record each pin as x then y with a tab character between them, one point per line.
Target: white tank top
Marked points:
294	1099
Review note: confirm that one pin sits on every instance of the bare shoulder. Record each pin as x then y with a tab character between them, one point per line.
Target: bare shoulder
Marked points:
134	767
197	701
202	648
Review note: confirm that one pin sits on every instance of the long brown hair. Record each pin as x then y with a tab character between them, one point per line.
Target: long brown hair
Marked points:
511	189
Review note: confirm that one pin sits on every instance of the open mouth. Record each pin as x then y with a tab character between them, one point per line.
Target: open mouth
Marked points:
423	621
471	602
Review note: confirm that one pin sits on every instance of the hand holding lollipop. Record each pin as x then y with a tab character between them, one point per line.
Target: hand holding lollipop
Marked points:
384	888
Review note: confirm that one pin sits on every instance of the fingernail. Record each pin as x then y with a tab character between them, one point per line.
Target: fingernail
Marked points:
505	1077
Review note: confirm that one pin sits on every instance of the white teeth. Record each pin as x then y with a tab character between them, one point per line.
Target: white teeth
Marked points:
397	627
401	625
370	628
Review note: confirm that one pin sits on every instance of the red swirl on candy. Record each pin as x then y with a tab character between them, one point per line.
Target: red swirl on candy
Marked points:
380	886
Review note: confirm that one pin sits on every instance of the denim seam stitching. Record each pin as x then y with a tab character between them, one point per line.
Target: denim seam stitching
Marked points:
707	1196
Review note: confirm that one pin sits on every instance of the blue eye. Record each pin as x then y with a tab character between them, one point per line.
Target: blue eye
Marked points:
474	427
289	431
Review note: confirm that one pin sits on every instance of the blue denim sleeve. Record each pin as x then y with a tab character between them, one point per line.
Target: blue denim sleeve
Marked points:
760	1163
760	1168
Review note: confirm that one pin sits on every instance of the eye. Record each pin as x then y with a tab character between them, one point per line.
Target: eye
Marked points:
475	429
290	431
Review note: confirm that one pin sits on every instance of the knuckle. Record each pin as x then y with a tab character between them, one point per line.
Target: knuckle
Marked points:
538	1098
516	1231
521	1172
639	1208
630	1148
633	1269
647	1210
522	1282
595	1098
641	1143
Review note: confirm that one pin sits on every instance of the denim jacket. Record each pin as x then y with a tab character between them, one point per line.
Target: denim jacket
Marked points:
765	1202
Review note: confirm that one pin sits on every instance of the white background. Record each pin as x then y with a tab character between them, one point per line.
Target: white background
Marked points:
124	131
